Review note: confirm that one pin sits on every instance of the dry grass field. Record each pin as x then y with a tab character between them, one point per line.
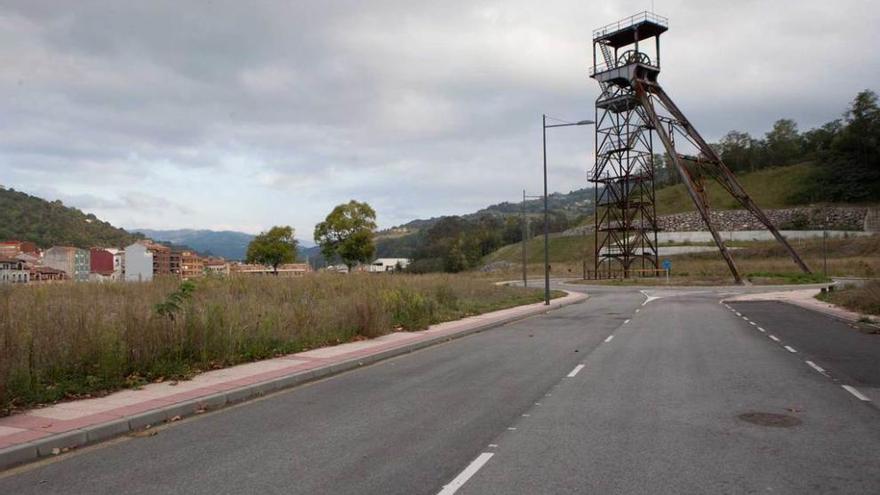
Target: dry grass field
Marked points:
761	262
69	340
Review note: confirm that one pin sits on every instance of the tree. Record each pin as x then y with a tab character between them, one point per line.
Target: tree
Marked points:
737	152
783	143
347	233
273	248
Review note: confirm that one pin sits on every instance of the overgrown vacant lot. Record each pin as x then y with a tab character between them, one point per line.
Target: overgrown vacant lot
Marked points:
59	341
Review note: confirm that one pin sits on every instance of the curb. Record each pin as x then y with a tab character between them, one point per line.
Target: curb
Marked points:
62	442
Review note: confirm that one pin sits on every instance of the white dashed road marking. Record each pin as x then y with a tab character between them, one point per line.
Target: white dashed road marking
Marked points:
609	338
627	321
855	392
815	366
761	329
465	475
775	338
790	348
577	369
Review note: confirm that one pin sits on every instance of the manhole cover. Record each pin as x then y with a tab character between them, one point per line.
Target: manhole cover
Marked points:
770	419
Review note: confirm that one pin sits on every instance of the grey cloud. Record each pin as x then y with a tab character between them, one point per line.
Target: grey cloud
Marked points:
424	108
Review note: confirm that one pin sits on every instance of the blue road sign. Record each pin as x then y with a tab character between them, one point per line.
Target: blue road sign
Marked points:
667	265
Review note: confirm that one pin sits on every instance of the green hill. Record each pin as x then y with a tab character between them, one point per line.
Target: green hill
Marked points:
771	188
47	223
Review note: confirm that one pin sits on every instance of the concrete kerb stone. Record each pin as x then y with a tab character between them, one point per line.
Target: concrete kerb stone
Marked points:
66	440
18	454
27	452
105	431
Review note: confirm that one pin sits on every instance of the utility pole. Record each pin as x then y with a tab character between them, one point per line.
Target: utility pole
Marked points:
524	240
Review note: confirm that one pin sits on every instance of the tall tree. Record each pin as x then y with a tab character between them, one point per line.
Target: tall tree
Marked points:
347	233
273	248
783	143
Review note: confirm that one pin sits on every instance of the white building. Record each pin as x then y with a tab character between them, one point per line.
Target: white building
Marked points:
138	263
13	271
388	265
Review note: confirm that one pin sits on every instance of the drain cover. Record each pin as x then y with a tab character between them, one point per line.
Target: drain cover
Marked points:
770	419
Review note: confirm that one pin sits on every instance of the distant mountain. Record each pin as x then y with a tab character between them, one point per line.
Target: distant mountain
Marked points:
226	243
573	204
50	223
229	244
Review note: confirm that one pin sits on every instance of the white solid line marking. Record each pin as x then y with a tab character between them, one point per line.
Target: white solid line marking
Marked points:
577	369
855	392
790	348
609	338
815	366
627	321
465	475
761	329
774	338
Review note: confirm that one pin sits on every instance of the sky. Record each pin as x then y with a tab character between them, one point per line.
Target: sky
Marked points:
232	115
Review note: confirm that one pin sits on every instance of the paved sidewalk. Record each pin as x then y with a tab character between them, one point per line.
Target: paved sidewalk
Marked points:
57	428
805	298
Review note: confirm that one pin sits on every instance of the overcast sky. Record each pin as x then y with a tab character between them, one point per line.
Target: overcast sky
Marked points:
245	114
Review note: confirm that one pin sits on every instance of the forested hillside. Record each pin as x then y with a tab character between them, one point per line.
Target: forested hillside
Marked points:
29	218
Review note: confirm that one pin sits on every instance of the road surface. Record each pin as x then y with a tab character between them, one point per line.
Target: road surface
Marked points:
624	393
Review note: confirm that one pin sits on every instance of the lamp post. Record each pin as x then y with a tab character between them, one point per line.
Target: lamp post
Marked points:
525	237
546	221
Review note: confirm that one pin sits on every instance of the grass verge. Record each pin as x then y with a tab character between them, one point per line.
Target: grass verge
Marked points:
79	340
863	298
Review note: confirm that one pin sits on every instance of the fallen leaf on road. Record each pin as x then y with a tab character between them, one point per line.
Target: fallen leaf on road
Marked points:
175	418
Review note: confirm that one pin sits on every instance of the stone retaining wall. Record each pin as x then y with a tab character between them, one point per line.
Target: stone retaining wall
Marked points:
799	218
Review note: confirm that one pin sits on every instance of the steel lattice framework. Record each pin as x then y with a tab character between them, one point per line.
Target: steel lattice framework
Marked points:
631	108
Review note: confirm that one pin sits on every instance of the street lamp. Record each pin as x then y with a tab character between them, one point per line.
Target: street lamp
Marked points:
546	221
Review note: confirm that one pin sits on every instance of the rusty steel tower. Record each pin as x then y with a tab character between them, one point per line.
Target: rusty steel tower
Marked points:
631	108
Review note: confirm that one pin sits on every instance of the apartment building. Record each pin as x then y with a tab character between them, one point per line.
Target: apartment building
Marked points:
161	258
11	249
216	266
13	271
101	265
139	263
191	265
71	260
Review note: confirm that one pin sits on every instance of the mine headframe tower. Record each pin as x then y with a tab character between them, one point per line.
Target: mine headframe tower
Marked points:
630	109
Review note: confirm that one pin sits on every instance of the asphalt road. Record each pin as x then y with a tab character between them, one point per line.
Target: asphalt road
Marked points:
606	396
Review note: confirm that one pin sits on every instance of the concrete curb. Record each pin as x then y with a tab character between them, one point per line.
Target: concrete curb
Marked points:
58	443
